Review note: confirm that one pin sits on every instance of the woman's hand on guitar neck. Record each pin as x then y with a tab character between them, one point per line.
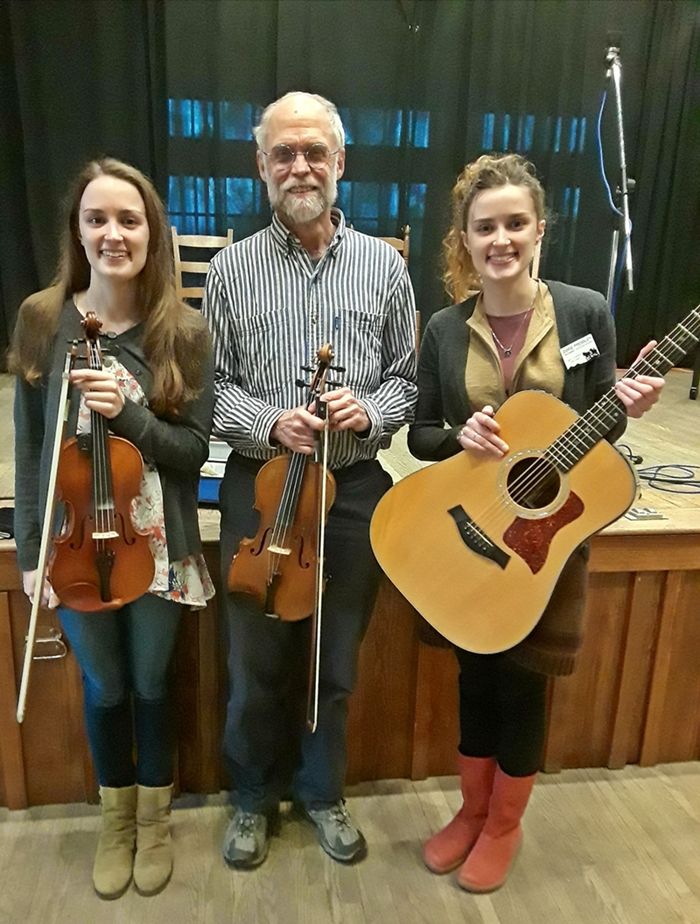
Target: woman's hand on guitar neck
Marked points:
640	393
480	434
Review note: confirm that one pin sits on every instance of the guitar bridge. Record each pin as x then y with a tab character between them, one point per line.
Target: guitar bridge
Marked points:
475	539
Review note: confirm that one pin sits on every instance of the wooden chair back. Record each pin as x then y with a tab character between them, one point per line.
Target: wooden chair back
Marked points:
205	242
402	244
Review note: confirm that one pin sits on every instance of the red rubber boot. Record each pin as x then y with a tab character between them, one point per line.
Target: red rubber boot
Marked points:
490	861
448	848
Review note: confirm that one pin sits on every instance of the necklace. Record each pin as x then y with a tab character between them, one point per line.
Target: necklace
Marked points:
508	351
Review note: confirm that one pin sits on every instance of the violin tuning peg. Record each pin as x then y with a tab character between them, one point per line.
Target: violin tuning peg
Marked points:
307	369
337	368
300	383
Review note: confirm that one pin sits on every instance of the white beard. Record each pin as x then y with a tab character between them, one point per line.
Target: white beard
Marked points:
310	207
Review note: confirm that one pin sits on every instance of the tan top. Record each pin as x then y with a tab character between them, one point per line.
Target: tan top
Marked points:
538	363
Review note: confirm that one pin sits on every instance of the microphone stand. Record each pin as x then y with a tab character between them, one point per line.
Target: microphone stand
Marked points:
614	70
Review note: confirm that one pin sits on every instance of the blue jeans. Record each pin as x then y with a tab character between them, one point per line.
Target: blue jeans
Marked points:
266	744
120	653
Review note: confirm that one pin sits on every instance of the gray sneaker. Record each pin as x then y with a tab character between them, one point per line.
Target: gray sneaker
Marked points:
247	839
336	833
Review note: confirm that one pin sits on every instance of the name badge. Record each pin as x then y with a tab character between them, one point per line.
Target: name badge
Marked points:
579	352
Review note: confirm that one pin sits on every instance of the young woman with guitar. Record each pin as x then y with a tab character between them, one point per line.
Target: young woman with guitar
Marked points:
508	332
154	390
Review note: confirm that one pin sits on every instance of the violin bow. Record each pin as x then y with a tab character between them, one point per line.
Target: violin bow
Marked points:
314	679
46	531
315	660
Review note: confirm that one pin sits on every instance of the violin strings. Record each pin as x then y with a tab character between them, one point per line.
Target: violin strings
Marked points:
285	512
97	461
289	500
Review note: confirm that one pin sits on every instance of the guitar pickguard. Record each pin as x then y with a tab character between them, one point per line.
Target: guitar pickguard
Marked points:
530	539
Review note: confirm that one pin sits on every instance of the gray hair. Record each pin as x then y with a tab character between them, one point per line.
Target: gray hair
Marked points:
260	131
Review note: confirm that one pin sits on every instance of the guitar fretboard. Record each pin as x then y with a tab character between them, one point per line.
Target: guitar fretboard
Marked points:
589	429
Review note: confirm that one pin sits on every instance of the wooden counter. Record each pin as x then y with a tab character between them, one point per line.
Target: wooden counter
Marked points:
635	697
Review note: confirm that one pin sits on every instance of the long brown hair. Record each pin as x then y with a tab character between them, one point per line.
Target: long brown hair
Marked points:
487	172
175	335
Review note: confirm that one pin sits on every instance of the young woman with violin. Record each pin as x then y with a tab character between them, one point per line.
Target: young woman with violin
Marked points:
155	390
506	333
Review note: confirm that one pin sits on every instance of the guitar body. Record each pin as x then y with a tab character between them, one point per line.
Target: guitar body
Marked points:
477	545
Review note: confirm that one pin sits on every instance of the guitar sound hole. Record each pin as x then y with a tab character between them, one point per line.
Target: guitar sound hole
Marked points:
533	483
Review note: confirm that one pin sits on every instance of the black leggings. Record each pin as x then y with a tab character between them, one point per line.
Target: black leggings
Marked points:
501	711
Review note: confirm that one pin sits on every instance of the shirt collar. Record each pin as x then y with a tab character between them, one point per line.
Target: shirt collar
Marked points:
288	242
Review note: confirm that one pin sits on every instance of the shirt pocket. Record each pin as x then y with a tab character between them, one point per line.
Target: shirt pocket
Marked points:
358	347
262	353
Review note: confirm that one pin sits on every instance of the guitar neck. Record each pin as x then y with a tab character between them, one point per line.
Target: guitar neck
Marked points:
593	426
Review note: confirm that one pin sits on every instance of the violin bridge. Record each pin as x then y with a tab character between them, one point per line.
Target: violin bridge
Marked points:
108	535
278	550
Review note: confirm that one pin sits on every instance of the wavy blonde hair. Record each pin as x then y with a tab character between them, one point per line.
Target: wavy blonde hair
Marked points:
175	335
486	172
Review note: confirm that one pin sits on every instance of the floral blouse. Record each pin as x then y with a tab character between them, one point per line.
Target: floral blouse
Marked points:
186	581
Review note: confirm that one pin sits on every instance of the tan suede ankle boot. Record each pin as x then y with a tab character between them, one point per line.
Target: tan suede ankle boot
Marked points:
153	866
114	860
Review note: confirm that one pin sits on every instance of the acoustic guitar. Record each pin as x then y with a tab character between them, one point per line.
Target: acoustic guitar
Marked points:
477	544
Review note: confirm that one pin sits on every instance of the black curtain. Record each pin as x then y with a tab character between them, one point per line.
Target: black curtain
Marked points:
423	86
78	79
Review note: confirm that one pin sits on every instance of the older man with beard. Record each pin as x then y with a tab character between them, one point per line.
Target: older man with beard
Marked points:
272	301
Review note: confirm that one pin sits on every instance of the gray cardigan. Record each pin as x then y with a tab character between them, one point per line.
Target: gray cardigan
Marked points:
442	394
178	449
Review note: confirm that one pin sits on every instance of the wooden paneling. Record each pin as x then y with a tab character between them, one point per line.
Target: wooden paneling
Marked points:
674	698
640	642
635	695
13	791
582	705
651	552
200	685
380	723
437	724
45	760
56	763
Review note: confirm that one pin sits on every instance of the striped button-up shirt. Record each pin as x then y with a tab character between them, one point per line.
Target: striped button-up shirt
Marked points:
271	308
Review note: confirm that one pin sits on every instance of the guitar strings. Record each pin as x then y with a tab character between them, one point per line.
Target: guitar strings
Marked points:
532	478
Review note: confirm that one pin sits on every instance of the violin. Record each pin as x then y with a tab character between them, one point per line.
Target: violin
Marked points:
282	567
100	561
278	566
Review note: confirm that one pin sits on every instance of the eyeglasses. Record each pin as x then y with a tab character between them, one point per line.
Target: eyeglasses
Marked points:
316	155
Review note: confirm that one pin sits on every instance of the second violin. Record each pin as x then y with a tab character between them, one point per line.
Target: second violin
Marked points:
281	567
